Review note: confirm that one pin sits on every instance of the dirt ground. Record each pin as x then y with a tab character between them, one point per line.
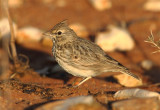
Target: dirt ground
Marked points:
29	90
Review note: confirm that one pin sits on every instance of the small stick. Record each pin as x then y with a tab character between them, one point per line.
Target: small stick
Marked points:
12	40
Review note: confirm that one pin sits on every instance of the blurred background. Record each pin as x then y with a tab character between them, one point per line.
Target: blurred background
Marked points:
119	27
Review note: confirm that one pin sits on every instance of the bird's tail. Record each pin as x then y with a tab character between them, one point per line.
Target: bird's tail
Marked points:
131	74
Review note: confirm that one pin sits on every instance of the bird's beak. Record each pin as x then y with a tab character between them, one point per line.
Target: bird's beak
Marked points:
47	34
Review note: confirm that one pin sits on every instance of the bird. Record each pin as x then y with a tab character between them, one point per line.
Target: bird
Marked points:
81	57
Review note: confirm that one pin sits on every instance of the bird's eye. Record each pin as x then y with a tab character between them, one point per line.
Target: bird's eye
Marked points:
59	32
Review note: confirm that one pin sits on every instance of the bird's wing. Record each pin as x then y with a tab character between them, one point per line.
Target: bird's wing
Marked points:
92	54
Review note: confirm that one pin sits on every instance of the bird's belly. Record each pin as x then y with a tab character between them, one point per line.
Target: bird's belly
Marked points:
77	71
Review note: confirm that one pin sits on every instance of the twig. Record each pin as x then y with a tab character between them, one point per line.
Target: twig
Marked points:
12	40
152	41
19	66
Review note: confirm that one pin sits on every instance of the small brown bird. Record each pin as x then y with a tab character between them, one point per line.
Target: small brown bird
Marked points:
81	57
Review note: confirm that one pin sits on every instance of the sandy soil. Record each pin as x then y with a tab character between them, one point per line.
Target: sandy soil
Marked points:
29	90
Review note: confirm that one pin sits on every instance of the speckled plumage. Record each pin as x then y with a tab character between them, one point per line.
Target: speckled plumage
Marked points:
81	57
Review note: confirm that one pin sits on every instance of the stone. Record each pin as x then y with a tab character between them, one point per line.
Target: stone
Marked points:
80	30
61	3
137	104
94	106
152	5
5	28
29	34
46	41
115	39
101	5
50	106
147	64
15	3
135	93
55	3
74	103
127	80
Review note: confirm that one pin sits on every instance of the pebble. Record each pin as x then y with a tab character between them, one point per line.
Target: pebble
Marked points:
135	93
29	34
46	41
15	3
55	3
80	30
61	3
74	103
116	39
101	5
152	5
137	104
5	28
127	80
147	64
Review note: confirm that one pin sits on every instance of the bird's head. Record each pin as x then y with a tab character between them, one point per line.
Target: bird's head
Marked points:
61	32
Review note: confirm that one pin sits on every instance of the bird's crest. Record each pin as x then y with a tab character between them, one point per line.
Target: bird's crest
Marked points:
61	24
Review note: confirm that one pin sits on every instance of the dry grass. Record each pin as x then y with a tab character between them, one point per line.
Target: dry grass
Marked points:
10	47
4	4
153	43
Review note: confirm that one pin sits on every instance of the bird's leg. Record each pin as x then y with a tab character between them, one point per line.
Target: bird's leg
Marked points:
84	80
